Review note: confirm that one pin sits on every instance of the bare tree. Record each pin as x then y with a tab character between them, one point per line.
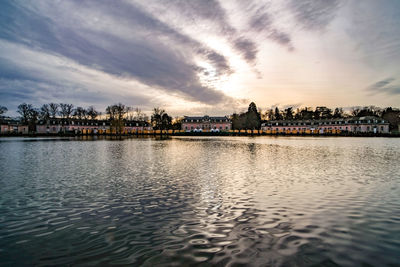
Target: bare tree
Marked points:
138	115
92	112
29	115
355	111
53	107
116	114
24	110
79	113
45	111
3	110
160	119
66	110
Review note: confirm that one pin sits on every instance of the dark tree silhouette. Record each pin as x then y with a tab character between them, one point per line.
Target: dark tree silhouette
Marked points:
44	112
53	108
3	110
66	110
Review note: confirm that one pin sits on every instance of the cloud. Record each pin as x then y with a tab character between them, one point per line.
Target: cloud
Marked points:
385	86
314	14
211	14
261	20
247	47
118	39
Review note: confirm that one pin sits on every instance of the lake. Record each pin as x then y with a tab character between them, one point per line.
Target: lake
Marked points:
260	201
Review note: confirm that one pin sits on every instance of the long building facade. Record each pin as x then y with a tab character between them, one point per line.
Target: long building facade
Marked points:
58	125
368	124
206	124
8	126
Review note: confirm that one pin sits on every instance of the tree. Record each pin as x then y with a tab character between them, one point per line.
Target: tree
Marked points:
80	113
322	113
160	119
253	117
369	111
277	114
166	122
3	110
138	115
392	116
53	108
25	110
338	113
29	115
44	113
116	114
355	111
177	123
156	118
288	115
270	114
304	114
66	110
92	113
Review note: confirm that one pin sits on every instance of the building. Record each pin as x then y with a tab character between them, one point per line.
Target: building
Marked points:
369	124
206	124
58	125
9	126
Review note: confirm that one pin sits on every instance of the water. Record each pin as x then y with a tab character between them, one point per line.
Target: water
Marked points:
191	200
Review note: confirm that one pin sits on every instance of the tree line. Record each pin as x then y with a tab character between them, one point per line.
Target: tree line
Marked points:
160	120
252	118
117	114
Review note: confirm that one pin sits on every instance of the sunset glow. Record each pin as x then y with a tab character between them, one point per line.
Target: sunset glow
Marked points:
201	56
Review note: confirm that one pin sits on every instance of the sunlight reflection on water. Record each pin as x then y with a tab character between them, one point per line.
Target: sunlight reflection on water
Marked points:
187	200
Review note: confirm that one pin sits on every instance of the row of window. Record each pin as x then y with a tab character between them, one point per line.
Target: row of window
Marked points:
332	128
205	121
192	128
92	123
327	123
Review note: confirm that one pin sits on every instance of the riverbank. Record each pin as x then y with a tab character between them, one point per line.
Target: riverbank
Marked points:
247	133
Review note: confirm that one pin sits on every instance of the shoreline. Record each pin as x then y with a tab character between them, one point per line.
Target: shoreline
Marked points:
204	134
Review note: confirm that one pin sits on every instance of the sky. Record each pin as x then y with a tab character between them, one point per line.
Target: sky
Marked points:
196	57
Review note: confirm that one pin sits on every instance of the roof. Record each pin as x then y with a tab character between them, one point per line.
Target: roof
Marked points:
365	119
205	118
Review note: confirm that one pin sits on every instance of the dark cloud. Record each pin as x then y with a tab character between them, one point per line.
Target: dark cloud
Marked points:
314	14
247	47
262	21
150	51
195	10
211	10
385	86
281	38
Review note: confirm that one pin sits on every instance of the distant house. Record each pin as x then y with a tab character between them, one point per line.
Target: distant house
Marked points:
59	125
369	124
206	124
8	125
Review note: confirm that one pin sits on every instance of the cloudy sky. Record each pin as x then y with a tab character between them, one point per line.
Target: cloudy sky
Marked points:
200	56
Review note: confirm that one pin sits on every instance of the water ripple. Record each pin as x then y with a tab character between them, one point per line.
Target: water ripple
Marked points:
201	201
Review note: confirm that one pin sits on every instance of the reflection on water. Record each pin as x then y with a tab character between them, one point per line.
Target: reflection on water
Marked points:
200	200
